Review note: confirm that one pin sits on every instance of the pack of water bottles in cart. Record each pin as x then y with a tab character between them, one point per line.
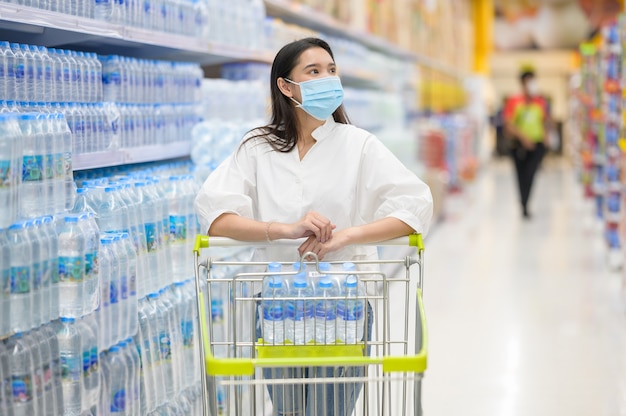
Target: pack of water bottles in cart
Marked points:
318	306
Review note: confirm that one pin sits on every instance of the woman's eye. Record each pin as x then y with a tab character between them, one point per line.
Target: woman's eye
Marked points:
333	70
314	71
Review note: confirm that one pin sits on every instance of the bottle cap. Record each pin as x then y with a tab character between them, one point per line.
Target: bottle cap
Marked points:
275	282
274	267
351	281
349	267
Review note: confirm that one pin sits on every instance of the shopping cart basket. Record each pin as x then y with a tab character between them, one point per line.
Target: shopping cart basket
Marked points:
378	373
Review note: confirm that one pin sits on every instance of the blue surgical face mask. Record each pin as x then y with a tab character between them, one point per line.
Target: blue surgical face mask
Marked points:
320	97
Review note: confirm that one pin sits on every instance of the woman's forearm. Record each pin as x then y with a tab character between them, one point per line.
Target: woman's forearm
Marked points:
381	230
240	228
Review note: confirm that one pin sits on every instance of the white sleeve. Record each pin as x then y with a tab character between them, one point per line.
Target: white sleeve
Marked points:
387	188
231	188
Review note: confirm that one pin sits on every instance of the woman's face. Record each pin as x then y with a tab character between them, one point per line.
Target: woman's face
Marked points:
313	63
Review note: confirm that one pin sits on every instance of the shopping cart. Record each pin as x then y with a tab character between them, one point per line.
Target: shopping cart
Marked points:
378	374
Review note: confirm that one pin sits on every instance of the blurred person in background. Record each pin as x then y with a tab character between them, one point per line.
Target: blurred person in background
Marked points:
526	123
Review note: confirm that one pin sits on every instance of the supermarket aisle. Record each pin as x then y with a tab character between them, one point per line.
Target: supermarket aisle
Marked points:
524	317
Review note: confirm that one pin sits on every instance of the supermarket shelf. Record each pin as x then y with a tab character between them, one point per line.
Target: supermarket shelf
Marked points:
131	155
42	27
51	29
306	16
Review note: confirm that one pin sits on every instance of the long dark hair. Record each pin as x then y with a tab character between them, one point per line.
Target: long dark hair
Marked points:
282	131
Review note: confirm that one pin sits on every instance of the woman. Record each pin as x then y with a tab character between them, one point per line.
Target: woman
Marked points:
309	174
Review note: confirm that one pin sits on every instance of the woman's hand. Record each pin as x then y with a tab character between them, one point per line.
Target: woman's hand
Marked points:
339	240
312	225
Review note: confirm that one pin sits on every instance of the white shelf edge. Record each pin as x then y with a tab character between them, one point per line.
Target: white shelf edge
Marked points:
131	155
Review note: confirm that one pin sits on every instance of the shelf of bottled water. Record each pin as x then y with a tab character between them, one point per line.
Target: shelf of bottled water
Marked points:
233	22
94	268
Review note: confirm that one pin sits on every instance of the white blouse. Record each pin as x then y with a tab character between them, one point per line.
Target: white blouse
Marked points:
348	176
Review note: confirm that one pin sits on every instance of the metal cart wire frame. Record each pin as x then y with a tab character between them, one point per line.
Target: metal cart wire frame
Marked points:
389	367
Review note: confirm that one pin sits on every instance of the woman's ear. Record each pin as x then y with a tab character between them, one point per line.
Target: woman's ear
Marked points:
284	87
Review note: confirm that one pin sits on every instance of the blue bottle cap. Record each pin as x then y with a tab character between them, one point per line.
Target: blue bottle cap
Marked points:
349	267
351	281
274	267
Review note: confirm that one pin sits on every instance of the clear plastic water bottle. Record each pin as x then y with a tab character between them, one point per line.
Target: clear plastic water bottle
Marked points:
104	309
37	380
7	86
274	313
39	85
131	283
33	187
39	286
151	230
6	399
40	352
156	321
142	342
301	311
118	375
186	317
10	169
49	232
21	368
123	260
115	305
19	72
70	352
50	332
167	340
325	308
21	278
65	141
29	73
178	229
72	250
132	363
163	222
150	357
5	284
48	73
92	248
90	374
350	309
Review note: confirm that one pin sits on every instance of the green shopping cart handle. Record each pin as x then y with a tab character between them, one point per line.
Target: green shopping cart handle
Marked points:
204	241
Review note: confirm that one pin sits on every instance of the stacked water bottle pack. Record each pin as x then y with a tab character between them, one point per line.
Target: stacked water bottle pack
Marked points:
145	102
36	73
35	166
311	307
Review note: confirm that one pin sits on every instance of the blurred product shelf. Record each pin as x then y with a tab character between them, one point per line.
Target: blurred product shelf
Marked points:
131	155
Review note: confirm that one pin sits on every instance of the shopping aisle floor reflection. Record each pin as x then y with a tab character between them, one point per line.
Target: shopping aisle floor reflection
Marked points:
524	316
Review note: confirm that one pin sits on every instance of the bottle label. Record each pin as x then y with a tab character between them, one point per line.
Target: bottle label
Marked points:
59	166
351	310
5	281
54	270
30	72
93	369
70	367
165	227
19	71
47	377
38	380
48	73
186	327
118	401
178	229
326	310
38	276
124	287
151	237
22	388
32	168
105	294
300	310
71	269
114	295
132	282
86	362
91	260
20	280
5	173
273	311
66	75
165	346
49	169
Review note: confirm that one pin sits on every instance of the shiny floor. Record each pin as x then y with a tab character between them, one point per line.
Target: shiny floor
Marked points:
525	317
